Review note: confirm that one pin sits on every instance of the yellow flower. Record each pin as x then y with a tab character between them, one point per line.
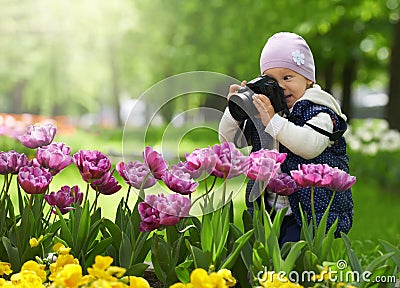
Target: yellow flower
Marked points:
227	276
5	268
138	282
70	276
61	249
116	271
62	260
102	262
26	279
198	277
35	242
101	269
5	284
35	268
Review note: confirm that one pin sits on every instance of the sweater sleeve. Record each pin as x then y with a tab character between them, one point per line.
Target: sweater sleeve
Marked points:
303	141
228	127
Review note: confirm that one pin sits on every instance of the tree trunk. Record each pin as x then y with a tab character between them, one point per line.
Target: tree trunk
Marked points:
394	85
328	77
347	82
115	86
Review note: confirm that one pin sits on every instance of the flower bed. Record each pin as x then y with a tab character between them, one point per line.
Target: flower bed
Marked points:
61	239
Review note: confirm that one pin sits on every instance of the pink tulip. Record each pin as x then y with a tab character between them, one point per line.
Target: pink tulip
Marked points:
179	181
34	180
38	135
106	185
11	162
159	210
230	161
92	165
55	157
341	181
316	175
155	162
65	199
263	165
282	184
203	159
134	173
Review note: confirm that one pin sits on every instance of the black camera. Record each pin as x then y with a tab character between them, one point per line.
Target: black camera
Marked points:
241	104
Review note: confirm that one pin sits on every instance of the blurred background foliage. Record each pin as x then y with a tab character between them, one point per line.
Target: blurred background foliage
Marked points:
81	57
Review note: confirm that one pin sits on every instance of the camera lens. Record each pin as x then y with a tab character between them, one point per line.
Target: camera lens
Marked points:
241	104
234	107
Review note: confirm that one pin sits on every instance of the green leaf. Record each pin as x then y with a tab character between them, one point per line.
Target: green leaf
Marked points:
292	256
391	248
114	230
83	228
125	251
377	261
237	247
306	230
65	233
207	236
225	230
310	261
354	262
137	269
201	259
142	248
183	271
160	252
326	246
13	254
98	249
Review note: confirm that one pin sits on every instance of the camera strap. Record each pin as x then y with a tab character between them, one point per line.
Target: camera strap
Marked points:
334	135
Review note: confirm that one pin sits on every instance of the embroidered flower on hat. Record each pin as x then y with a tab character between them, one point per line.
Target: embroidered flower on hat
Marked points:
298	57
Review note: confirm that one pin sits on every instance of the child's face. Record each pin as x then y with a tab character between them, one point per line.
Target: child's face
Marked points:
293	84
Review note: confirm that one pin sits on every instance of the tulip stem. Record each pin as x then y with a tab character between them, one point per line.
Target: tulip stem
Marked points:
94	205
313	210
273	205
87	193
127	197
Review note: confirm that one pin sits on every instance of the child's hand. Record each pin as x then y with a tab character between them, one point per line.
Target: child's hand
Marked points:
234	88
264	106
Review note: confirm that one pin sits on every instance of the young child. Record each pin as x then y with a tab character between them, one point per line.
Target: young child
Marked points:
304	134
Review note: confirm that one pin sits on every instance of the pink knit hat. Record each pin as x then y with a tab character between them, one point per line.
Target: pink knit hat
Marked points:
288	50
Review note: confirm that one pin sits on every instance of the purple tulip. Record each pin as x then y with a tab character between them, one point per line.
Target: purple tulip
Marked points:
34	180
203	159
55	157
155	162
38	135
179	181
230	161
91	164
188	168
316	175
11	162
263	165
341	181
273	154
107	185
134	173
160	210
282	184
65	199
